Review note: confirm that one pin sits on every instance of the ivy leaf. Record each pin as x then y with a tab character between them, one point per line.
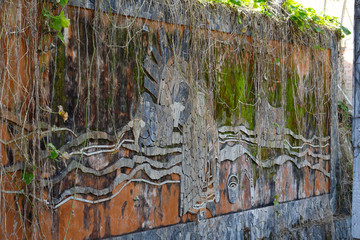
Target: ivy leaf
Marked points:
269	14
315	18
50	145
53	151
53	155
345	30
46	13
235	2
58	22
302	14
65	22
62	2
318	47
27	177
311	10
317	29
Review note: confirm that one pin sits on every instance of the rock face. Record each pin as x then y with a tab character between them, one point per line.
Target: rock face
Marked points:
209	133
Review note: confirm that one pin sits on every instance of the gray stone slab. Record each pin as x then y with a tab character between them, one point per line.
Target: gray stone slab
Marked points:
152	86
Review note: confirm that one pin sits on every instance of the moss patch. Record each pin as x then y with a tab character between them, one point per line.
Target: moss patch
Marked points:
235	93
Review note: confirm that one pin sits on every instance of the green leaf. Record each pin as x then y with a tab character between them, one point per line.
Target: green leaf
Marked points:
27	177
53	155
269	14
345	30
46	13
315	18
302	14
236	2
58	22
63	2
61	37
292	7
317	29
65	22
319	48
50	145
311	10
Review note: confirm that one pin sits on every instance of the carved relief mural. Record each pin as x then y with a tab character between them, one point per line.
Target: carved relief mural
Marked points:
156	135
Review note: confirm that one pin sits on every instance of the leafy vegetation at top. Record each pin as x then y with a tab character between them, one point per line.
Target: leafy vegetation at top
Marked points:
302	17
57	22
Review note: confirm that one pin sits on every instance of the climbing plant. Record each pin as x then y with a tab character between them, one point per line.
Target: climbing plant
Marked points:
57	22
302	17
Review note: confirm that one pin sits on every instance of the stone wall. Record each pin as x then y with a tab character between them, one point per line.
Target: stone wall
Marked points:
215	131
302	219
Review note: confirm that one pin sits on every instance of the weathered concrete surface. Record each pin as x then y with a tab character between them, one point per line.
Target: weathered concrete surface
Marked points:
303	219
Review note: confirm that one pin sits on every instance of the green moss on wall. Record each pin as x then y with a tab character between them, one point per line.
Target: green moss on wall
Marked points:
59	85
272	84
294	111
256	172
59	91
235	93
